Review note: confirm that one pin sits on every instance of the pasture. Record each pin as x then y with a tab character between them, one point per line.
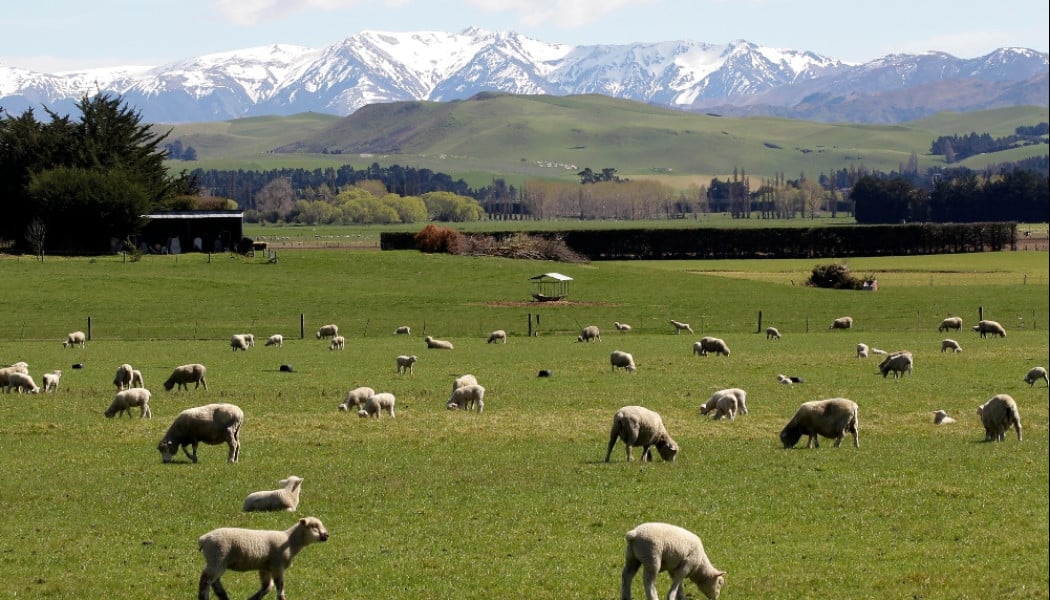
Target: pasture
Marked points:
518	502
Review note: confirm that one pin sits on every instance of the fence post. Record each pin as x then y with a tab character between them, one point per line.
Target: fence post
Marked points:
89	329
530	324
302	326
759	330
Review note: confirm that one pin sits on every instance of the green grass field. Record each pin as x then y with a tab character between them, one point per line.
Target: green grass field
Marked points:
517	502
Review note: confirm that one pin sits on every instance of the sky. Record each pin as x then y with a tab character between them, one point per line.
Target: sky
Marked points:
62	35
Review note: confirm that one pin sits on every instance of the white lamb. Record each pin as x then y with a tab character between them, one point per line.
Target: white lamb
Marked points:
621	327
122	377
679	327
284	498
498	336
125	400
658	547
998	415
76	338
250	338
954	323
1035	374
772	333
639	426
327	331
275	340
467	397
338	343
268	552
589	333
950	344
377	403
209	424
726	403
357	397
184	375
622	360
842	323
437	344
464	380
403	330
831	418
709	344
136	379
985	327
238	342
21	382
862	351
51	380
406	363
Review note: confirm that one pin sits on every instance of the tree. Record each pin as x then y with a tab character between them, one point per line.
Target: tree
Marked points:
275	200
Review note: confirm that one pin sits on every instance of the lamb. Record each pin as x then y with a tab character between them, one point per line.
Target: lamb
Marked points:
122	377
998	415
51	380
5	372
21	382
403	330
76	338
639	426
250	338
710	344
284	498
831	418
621	327
727	402
498	336
1035	374
338	343
275	340
950	344
898	363
622	360
210	424
405	364
186	374
954	323
268	552
357	397
993	327
125	400
437	344
377	403
940	417
238	342
136	379
772	333
862	350
657	547
679	327
467	397
464	380
589	333
327	331
842	323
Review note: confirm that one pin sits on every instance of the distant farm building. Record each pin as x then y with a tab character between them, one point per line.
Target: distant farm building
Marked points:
550	287
175	232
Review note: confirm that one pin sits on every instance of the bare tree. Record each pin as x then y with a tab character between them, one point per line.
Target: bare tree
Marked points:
36	232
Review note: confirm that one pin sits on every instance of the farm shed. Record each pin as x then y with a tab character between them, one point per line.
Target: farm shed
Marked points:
192	231
550	287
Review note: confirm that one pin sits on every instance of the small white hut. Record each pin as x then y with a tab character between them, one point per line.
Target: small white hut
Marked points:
550	287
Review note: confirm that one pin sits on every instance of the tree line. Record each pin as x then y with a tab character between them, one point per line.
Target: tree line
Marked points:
955	148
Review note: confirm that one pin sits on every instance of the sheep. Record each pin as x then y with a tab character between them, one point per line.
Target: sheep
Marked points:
464	380
437	344
639	426
356	397
953	323
467	397
5	372
784	379
657	547
275	340
998	415
842	323
589	333
403	330
772	333
405	364
268	552
338	343
622	360
950	344
862	350
122	377
1035	374
993	327
498	336
377	403
210	424
621	327
76	338
679	327
831	418
710	344
898	363
284	498
327	331
722	407
51	380
125	400
21	382
250	338
940	417
136	379
238	342
186	374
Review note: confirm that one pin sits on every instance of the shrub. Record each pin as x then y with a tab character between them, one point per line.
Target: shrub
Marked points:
834	276
435	239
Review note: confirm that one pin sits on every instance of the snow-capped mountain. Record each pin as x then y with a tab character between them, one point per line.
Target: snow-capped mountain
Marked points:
375	67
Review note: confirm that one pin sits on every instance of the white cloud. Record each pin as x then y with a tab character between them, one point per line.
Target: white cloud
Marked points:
252	12
565	14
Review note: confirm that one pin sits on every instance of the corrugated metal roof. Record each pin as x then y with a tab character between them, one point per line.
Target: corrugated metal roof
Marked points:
554	276
197	214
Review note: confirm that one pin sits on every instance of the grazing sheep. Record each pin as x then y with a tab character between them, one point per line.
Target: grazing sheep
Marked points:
639	426
464	380
726	403
437	344
268	552
772	333
405	363
327	331
998	415
1035	374
679	327
125	400
210	424
21	382
621	327
136	379
77	338
357	397
238	342
992	327
338	343
589	333
950	344
657	547
498	336
51	380
940	417
953	323
5	372
284	498
250	338
186	374
467	397
898	363
377	403
403	330
862	351
622	360
842	323
710	344
122	377
831	418
275	340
